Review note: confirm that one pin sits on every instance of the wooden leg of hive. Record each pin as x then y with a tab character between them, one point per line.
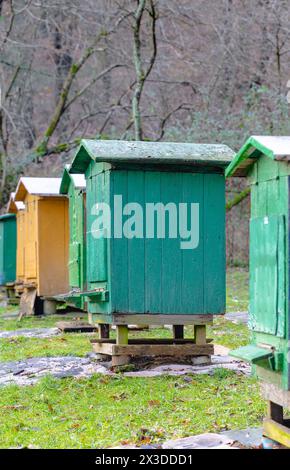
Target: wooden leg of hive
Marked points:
200	334
122	339
178	331
275	412
122	334
104	330
104	333
49	307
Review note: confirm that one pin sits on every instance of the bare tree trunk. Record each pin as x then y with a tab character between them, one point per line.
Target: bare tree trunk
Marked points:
141	74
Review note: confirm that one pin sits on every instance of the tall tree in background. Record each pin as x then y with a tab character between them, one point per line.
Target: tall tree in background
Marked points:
142	71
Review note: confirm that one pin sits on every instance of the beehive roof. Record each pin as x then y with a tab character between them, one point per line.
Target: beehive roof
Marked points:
37	186
78	181
274	147
117	151
7	216
14	206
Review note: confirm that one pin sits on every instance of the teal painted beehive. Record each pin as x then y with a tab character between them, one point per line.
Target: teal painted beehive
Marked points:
138	270
74	186
7	248
265	162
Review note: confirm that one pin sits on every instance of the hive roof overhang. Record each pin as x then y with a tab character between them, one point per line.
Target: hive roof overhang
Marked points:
143	153
37	186
275	147
14	206
7	216
78	180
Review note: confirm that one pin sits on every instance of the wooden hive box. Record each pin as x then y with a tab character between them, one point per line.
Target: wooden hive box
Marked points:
7	248
17	209
74	186
265	162
149	279
43	254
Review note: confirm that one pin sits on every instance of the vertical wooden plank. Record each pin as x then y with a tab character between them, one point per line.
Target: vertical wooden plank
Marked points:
285	191
119	248
214	244
153	250
281	272
171	184
122	334
200	334
2	253
262	206
136	248
192	285
88	224
20	244
254	200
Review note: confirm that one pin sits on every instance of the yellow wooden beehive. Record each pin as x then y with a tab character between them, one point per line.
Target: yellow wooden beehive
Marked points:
43	234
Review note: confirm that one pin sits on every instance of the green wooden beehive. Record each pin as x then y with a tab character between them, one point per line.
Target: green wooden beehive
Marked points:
135	276
74	186
7	248
265	161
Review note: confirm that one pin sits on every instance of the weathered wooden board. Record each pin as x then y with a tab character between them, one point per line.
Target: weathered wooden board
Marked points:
151	341
274	393
158	319
176	350
75	327
276	431
27	301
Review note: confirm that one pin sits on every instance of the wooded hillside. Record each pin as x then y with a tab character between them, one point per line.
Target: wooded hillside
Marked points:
203	70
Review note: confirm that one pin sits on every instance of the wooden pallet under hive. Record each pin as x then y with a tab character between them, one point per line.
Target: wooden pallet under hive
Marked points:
122	349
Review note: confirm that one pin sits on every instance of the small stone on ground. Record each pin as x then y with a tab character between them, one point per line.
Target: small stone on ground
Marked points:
251	437
202	441
237	317
76	326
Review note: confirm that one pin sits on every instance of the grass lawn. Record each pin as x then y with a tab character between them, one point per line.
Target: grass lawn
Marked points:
223	332
104	411
237	290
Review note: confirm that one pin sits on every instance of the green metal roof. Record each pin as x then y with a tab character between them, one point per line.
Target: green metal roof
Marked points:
274	147
118	151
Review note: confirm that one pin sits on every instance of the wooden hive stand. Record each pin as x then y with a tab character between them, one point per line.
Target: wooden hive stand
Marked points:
12	296
122	349
276	426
